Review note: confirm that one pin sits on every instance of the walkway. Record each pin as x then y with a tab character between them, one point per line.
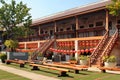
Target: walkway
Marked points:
29	75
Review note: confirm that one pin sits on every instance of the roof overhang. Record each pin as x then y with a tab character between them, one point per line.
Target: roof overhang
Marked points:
72	12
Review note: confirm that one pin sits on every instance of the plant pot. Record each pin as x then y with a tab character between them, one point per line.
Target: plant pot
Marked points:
110	64
73	61
83	62
3	60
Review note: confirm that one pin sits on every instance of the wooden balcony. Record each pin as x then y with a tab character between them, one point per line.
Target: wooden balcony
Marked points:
34	37
65	32
91	29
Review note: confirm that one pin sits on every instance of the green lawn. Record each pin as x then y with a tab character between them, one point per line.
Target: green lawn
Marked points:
9	76
83	75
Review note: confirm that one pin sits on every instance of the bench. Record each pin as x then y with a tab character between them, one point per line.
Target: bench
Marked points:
75	68
103	69
21	62
62	71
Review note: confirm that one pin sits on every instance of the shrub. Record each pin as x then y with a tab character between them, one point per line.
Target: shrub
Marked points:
109	58
72	58
83	57
3	56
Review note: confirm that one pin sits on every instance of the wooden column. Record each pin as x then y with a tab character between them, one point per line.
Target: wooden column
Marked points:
39	30
77	25
107	20
55	28
25	46
76	48
38	44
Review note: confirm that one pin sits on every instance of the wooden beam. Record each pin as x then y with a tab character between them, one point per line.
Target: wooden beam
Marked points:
39	30
107	20
77	25
55	28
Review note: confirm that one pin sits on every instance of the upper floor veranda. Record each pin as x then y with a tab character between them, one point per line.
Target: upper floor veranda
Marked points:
89	21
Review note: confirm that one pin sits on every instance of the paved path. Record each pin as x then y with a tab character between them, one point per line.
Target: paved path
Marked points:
29	75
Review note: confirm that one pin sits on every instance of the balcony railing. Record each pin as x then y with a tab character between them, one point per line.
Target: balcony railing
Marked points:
91	29
85	32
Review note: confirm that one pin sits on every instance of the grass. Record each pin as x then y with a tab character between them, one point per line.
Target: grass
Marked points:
83	75
9	76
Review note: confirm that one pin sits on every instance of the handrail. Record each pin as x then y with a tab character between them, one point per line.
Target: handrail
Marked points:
99	46
111	42
109	46
100	43
41	49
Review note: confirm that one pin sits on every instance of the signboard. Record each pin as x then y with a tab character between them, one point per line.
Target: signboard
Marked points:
17	55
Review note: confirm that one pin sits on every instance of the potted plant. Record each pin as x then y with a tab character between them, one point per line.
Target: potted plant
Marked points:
72	60
109	61
83	60
3	57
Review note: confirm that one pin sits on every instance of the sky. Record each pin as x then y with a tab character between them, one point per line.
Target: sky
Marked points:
41	8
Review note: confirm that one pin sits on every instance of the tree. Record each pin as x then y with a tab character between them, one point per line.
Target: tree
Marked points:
15	19
11	44
114	8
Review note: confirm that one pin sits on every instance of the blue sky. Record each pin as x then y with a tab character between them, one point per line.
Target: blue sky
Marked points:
41	8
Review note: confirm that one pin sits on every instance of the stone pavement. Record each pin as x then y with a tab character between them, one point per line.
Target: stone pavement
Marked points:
29	75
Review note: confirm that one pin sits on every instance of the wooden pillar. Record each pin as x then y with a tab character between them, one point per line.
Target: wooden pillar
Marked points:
55	28
38	44
77	25
107	20
25	46
76	48
39	30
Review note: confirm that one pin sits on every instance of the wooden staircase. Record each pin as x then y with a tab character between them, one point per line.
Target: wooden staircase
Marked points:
43	48
104	48
109	46
97	52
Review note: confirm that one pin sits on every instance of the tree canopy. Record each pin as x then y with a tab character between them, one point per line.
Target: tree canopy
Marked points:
114	7
15	19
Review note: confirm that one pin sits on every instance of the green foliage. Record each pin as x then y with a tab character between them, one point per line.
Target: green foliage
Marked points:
114	7
11	44
40	54
15	19
3	56
72	58
109	59
82	57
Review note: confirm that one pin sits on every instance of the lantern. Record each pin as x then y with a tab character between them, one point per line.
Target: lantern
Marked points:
64	51
86	50
82	51
71	51
78	51
68	51
91	50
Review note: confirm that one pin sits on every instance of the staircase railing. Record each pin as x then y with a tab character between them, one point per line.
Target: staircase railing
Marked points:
42	49
48	44
109	46
98	48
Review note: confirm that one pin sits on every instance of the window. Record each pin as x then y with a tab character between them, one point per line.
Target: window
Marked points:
118	21
99	23
81	26
73	26
46	32
91	25
68	29
110	25
61	29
